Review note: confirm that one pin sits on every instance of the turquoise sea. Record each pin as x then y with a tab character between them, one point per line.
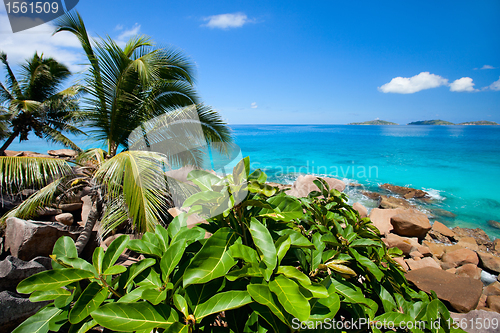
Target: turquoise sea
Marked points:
458	165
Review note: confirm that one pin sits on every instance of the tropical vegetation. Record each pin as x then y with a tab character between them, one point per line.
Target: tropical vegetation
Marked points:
126	89
37	103
274	263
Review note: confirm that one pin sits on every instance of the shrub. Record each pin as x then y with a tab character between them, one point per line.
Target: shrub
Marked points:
272	263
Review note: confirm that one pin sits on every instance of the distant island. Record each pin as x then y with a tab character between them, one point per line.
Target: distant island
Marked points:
431	122
480	122
374	122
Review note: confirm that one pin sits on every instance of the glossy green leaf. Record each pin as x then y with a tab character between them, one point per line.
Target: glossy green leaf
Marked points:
265	244
294	273
318	252
364	242
133	295
137	268
323	308
145	247
258	176
114	251
129	317
97	259
163	238
241	171
282	246
181	305
297	239
171	258
248	270
262	295
213	260
266	190
394	317
286	208
89	300
268	316
52	279
368	264
77	263
349	291
202	197
48	295
39	322
246	253
154	296
83	326
65	247
179	222
114	270
290	297
386	298
203	179
222	302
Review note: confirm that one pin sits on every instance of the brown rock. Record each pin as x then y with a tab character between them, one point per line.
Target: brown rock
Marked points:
371	195
451	270
63	153
469	270
393	202
402	263
416	254
405	244
381	218
494	224
407	192
490	262
447	266
496	245
492	289
86	207
460	257
493	303
65	218
425	262
468	243
451	248
13	153
411	223
305	185
462	293
478	234
29	239
442	212
363	212
469	321
442	229
47	211
436	249
426	252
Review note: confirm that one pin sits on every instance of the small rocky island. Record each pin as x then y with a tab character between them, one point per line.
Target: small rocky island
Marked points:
374	122
480	122
431	122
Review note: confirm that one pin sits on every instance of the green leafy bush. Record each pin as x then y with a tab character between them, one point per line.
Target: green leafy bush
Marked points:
274	263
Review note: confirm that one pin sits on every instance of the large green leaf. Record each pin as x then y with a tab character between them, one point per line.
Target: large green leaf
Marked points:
262	295
265	313
97	258
181	304
136	269
179	222
297	239
315	290
351	293
76	263
213	260
142	246
163	237
265	244
286	208
171	258
89	300
48	295
203	179
114	251
322	308
248	270
368	264
246	253
129	317
39	322
282	246
154	296
83	326
290	297
65	247
52	279
222	302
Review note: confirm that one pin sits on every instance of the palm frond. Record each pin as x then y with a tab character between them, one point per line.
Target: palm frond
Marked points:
56	136
11	80
138	177
40	199
115	213
20	172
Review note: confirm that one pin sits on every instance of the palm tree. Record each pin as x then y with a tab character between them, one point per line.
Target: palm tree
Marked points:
128	90
36	103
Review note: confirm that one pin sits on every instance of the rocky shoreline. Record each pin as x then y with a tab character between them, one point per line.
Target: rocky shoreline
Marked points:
461	265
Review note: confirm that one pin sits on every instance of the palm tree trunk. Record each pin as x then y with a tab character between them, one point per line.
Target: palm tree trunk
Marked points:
94	214
8	142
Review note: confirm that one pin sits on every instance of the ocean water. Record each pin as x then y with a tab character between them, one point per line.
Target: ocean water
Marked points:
459	166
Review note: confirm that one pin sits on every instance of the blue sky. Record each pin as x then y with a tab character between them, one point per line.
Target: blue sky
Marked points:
297	62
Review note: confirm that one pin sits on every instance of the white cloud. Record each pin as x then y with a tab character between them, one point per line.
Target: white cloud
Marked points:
463	84
410	85
487	67
226	21
123	38
495	85
254	105
22	45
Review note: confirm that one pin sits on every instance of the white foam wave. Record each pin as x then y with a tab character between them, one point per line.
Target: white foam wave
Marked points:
435	194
